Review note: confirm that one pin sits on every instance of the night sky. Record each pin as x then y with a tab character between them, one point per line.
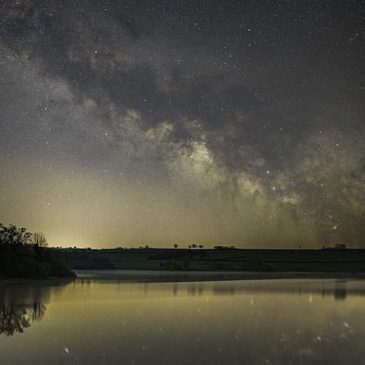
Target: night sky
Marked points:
162	122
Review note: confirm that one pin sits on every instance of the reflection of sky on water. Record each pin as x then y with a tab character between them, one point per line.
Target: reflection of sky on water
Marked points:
299	321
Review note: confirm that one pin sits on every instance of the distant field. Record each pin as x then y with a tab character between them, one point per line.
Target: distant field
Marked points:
274	260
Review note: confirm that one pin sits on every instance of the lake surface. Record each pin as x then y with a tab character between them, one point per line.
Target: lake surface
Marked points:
110	320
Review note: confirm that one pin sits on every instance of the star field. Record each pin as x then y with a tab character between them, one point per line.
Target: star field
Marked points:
162	122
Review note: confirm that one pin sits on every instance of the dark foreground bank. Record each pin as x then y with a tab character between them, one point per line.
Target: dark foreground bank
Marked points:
30	263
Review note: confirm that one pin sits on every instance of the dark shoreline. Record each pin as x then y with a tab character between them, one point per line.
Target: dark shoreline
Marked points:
155	276
38	281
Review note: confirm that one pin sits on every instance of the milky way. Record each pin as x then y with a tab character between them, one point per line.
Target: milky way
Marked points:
162	122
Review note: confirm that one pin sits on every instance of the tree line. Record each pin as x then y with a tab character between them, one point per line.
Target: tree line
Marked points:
25	255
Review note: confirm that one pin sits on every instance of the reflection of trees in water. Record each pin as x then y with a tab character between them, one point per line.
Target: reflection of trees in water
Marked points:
15	318
338	289
20	305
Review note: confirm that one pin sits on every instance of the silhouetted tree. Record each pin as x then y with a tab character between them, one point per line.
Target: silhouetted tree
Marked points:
24	255
39	239
12	235
176	246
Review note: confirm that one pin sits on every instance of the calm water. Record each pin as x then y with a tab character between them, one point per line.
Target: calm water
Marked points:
110	321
